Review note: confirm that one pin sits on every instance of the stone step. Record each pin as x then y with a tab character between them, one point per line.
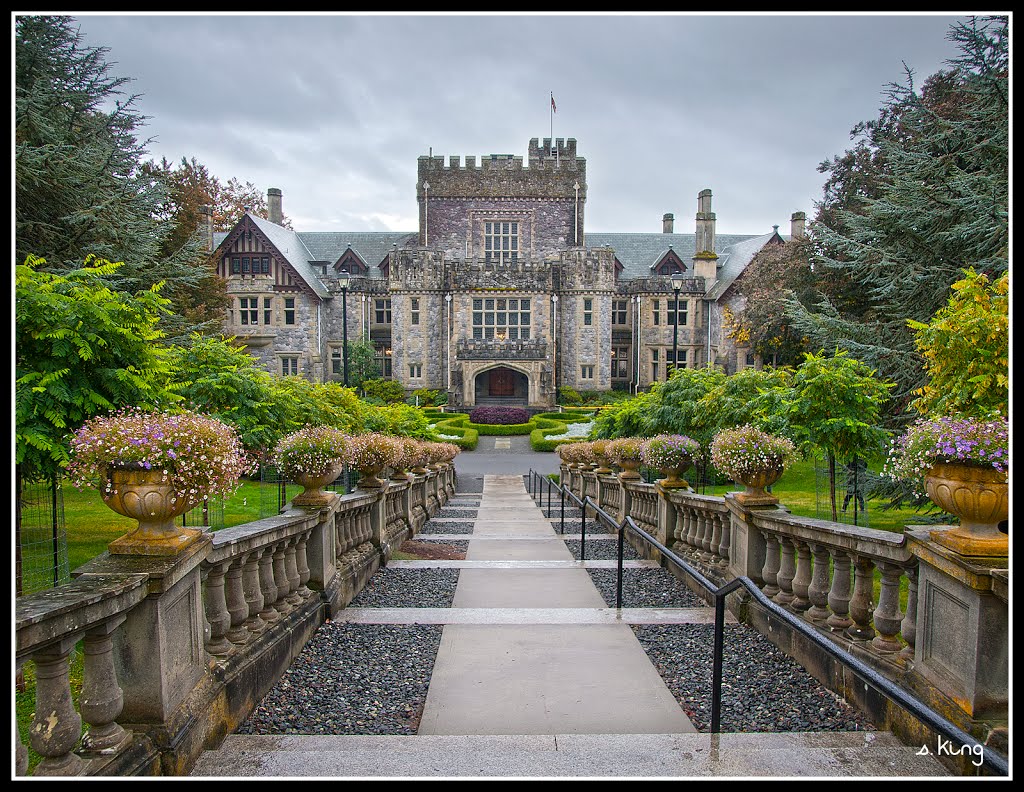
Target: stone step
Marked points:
793	754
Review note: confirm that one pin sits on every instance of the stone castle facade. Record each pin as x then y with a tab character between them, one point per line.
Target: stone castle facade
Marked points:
499	297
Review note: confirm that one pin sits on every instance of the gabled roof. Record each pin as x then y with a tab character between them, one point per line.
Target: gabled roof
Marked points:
639	252
735	259
291	246
370	246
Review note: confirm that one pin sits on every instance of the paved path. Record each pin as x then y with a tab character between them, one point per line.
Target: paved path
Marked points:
519	673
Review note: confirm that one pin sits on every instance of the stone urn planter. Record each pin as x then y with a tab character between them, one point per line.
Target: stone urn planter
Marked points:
313	494
369	477
755	483
148	496
979	496
673	478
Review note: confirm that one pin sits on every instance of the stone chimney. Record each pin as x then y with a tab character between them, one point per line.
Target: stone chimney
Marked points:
206	222
274	206
705	260
797	224
667	223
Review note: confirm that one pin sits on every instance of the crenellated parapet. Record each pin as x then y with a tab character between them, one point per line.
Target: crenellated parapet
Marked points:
549	172
587	270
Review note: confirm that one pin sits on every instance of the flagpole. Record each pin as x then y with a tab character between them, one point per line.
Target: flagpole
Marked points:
551	118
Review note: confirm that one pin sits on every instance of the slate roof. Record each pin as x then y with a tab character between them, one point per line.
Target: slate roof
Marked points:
637	252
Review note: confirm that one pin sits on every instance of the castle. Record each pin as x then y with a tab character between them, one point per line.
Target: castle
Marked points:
500	296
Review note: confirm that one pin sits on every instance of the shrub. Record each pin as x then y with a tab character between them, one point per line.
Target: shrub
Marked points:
569	396
388	391
424	397
499	416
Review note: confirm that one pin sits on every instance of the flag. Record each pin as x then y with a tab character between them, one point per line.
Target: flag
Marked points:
553	108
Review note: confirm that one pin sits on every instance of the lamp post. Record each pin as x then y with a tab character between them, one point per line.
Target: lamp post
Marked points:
677	285
343	278
554	342
448	332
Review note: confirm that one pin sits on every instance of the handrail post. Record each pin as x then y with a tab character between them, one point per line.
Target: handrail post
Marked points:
561	490
549	495
716	668
618	582
583	530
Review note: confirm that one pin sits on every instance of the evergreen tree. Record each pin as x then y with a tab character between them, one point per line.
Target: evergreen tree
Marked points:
922	195
80	188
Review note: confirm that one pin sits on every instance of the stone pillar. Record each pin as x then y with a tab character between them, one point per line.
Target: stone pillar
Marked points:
159	652
746	543
962	636
321	549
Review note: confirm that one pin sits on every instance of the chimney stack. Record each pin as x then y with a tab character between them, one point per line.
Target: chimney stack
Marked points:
274	206
206	221
667	223
705	241
797	225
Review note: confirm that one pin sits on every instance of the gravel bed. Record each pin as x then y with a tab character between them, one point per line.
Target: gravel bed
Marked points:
644	588
397	587
352	679
602	550
460	514
373	679
570	511
436	526
763	690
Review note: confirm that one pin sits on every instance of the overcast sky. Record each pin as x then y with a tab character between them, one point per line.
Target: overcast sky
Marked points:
335	110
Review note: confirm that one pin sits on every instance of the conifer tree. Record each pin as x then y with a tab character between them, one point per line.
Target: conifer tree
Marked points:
80	188
922	195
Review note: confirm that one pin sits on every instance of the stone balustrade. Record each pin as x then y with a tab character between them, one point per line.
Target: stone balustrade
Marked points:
911	609
178	650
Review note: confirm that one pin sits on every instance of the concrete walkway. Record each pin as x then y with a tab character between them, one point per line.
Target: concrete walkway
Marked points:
536	678
519	674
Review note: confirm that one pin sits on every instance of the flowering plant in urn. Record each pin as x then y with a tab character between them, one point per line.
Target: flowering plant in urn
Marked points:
963	465
371	453
754	458
671	454
155	466
313	457
626	453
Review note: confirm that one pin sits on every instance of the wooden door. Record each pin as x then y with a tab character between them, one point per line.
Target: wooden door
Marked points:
501	383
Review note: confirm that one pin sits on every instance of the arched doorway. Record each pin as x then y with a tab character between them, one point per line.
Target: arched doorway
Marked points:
501	385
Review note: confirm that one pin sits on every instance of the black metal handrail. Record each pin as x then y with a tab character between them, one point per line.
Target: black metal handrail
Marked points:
866	674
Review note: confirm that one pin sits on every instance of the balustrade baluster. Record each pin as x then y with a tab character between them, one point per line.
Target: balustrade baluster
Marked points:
238	608
266	566
292	572
861	603
693	531
721	550
887	615
56	726
102	698
715	538
802	578
787	571
253	592
281	584
217	615
770	570
909	626
817	592
839	593
302	565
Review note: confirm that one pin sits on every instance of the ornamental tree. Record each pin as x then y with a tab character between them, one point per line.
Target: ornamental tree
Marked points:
966	348
81	349
835	406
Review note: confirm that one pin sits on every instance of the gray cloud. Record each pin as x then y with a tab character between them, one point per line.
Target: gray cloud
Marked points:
335	109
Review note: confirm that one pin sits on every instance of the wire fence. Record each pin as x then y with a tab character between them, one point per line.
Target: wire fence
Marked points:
41	544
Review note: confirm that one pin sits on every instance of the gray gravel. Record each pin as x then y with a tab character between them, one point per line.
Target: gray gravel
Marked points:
373	679
435	526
